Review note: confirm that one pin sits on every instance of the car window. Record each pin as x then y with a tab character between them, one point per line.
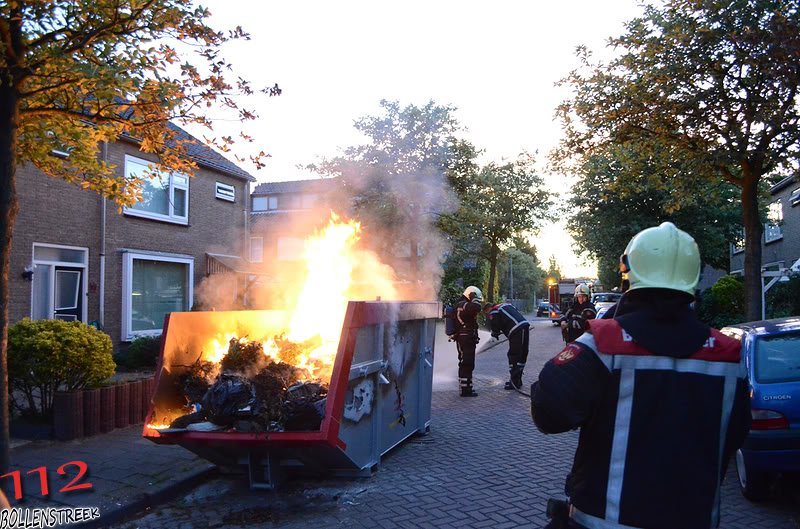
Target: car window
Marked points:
606	298
777	358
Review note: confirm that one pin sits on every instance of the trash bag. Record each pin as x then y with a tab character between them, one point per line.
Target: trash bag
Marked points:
304	406
185	420
230	398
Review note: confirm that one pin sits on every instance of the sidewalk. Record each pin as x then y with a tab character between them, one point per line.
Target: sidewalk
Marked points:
127	473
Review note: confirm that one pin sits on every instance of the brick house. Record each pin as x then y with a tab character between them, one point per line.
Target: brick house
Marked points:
282	212
77	256
780	245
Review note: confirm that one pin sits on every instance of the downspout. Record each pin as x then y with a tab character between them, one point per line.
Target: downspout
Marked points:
102	297
246	243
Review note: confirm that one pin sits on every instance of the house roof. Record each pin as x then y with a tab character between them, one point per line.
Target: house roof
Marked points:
204	155
208	157
295	186
782	184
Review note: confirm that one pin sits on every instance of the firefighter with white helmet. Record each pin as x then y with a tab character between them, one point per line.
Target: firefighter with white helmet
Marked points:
574	321
466	336
658	396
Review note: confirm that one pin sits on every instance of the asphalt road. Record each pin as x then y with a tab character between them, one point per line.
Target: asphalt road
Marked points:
483	464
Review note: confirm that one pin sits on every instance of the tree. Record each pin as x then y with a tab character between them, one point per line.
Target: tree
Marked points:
498	203
715	82
622	191
553	269
519	265
79	72
398	180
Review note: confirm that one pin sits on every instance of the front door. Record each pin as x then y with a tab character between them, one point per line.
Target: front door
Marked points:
67	298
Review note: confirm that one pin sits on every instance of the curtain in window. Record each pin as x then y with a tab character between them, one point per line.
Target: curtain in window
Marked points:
159	287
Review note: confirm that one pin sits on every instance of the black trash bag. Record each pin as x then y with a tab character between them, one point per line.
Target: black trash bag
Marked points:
230	398
302	410
185	420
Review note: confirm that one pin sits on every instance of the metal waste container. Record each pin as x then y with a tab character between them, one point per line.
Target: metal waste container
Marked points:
379	392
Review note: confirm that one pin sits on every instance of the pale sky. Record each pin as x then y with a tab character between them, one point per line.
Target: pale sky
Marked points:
496	62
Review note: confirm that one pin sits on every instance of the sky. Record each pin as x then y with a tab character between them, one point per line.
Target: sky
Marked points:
497	63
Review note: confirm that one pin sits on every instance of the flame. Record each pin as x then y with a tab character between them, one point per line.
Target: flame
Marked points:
335	271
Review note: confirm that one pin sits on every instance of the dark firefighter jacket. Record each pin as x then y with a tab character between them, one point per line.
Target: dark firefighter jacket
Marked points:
506	319
467	316
577	318
661	407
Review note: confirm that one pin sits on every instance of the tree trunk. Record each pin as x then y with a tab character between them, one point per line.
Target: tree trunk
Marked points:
492	272
9	114
753	230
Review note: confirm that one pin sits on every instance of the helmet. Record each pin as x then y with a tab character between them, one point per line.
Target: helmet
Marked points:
662	257
582	290
473	293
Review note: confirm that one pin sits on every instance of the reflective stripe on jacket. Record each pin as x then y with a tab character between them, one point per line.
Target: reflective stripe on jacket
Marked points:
656	431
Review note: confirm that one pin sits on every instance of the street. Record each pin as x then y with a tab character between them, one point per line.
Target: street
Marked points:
483	465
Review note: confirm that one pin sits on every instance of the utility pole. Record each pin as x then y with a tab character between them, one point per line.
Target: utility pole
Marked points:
511	274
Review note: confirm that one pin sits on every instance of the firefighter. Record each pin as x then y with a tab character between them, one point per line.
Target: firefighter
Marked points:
660	399
466	337
576	319
506	319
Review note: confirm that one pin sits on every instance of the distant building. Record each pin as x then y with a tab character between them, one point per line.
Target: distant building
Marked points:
780	244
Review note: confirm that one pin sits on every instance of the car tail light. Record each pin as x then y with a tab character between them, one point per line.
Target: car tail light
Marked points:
768	420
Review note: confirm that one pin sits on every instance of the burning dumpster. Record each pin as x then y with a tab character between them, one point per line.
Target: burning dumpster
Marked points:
232	388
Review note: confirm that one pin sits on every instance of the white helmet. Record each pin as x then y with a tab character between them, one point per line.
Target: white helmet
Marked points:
662	257
582	290
473	293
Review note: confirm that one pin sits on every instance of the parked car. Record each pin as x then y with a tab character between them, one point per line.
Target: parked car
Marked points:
605	299
543	309
601	311
771	355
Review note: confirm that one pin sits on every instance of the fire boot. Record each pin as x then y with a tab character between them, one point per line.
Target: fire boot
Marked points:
466	389
516	379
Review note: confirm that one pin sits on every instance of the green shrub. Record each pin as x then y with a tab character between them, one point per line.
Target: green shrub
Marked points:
722	304
142	352
783	299
45	356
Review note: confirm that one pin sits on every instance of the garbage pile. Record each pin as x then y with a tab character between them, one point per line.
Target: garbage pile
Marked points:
249	392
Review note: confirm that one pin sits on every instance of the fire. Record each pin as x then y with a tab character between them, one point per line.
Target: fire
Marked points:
336	270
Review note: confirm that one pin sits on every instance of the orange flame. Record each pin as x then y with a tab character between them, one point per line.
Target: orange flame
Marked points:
335	272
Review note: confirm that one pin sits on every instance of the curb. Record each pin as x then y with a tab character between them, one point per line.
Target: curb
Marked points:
152	498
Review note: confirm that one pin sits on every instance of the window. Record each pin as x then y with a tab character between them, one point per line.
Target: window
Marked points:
164	197
153	286
225	192
256	249
794	198
59	150
738	243
772	229
58	288
265	203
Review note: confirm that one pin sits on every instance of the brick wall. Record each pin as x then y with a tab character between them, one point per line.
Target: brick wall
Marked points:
52	211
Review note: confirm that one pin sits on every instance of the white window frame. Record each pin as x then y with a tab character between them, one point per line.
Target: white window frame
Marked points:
772	228
173	185
127	288
261	249
225	192
794	197
52	275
